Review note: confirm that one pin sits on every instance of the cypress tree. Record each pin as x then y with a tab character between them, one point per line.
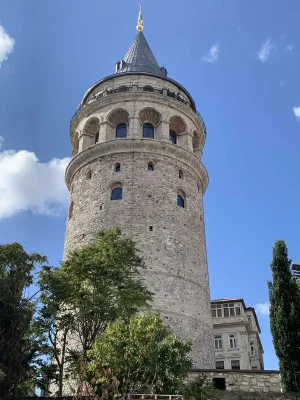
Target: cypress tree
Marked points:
285	317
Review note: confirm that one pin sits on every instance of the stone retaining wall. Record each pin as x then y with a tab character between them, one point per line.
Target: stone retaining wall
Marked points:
219	395
244	381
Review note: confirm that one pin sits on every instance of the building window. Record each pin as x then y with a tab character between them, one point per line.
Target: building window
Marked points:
180	174
232	309
89	174
235	364
150	166
254	368
173	137
216	310
252	349
218	342
232	342
121	131
116	193
250	322
118	168
148	88
219	364
148	131
97	137
180	201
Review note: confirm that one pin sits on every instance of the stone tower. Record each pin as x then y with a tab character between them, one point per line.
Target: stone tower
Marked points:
137	144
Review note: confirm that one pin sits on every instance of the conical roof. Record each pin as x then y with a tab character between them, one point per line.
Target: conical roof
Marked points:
139	58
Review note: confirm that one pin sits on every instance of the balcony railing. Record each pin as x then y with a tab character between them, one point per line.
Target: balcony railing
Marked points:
135	89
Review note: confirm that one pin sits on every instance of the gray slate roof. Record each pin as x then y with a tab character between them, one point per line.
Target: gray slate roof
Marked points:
139	58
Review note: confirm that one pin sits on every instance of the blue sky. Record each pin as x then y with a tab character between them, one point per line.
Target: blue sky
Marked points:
239	59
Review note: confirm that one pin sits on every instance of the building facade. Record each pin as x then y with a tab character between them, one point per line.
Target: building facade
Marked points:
236	335
137	143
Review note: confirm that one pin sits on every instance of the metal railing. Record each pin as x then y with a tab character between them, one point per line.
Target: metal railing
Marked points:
145	396
147	88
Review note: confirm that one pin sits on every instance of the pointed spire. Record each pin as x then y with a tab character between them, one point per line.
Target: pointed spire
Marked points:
139	57
140	26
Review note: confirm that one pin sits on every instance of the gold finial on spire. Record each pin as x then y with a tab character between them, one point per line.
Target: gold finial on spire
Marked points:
140	26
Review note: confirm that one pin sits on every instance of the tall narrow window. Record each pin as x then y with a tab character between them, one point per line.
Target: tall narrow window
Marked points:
150	166
148	131
173	137
180	201
89	174
218	342
118	168
117	194
97	137
232	342
121	131
180	174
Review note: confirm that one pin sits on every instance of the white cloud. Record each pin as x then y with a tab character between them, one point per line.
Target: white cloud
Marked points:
1	141
213	54
263	308
28	185
296	111
7	44
265	50
289	47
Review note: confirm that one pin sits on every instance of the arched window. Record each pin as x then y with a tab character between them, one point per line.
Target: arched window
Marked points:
121	131
148	131
180	174
123	89
89	174
97	137
148	89
180	201
150	166
173	137
117	193
118	168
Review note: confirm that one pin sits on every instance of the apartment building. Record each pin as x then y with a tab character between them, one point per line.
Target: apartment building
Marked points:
236	335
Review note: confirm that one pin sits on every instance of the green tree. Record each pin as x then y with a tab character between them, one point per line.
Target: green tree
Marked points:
285	317
52	324
17	346
140	355
96	284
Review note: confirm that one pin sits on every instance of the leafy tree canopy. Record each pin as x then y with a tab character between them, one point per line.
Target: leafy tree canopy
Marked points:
17	347
285	317
98	283
140	355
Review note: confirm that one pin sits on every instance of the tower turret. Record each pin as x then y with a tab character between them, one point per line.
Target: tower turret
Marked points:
137	144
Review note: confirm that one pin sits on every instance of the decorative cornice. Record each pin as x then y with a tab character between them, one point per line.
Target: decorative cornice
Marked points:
141	146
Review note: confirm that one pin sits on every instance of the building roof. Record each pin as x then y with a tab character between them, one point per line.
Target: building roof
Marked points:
228	300
139	58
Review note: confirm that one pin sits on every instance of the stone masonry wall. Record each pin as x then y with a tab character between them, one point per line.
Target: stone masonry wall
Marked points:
171	238
245	381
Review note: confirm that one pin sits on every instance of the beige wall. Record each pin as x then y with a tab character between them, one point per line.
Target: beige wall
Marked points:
248	351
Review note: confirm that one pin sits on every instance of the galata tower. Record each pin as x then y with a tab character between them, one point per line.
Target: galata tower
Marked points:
137	144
